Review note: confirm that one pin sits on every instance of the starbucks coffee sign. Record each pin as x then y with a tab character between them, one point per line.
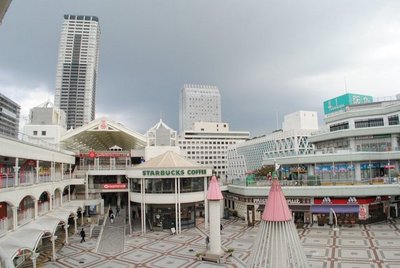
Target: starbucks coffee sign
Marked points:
174	172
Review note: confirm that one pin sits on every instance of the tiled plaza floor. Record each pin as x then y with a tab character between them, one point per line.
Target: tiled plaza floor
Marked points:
376	245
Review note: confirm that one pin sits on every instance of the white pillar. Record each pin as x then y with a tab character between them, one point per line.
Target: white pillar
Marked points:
176	205
15	217
69	192
82	217
70	171
179	207
66	234
62	171
16	172
205	204
357	171
33	258
36	204
53	244
129	207
76	224
87	186
215	231
51	202
37	171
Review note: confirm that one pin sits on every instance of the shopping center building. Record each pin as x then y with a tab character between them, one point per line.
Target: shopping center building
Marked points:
46	192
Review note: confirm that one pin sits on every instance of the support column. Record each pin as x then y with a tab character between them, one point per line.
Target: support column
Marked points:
37	171
62	171
69	192
70	171
129	207
357	171
205	204
36	204
15	217
34	256
176	205
87	186
179	207
16	172
81	217
66	234
51	202
53	244
76	224
52	171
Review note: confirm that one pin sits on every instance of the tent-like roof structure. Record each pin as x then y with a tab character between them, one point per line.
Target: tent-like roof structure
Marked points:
169	159
27	237
277	243
102	134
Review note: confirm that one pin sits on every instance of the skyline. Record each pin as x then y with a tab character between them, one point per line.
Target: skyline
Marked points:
268	59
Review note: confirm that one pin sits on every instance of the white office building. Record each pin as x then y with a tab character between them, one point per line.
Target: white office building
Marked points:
198	103
292	139
78	57
208	144
47	124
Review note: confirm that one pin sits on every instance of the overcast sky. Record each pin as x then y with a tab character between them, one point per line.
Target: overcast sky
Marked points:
268	58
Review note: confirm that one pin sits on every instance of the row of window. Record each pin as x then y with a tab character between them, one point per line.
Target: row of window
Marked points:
206	142
365	123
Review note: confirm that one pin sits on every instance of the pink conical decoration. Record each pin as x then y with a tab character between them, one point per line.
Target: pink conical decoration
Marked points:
214	192
276	207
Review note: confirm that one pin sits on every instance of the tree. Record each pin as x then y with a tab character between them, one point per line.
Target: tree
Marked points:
264	170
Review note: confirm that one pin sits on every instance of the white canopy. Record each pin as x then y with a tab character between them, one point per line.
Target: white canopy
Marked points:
28	236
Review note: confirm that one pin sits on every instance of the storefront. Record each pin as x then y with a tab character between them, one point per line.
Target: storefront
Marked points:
167	191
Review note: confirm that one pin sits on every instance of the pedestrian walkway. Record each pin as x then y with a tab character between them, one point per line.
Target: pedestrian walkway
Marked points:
112	238
372	246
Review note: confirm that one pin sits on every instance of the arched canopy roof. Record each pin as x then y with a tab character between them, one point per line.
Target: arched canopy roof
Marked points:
28	236
102	134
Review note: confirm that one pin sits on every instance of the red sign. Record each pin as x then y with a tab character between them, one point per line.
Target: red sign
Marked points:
112	186
92	154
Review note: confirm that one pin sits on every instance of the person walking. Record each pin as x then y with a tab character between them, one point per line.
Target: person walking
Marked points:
83	234
207	241
118	209
110	211
112	218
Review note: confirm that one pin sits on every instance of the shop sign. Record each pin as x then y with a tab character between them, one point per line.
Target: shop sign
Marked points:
363	213
93	154
259	200
174	172
113	186
294	201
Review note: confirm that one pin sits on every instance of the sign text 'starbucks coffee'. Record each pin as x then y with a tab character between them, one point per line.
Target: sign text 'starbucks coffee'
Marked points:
174	172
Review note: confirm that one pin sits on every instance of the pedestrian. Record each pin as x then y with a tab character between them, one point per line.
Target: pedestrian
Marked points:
110	211
112	218
83	235
220	228
207	241
118	209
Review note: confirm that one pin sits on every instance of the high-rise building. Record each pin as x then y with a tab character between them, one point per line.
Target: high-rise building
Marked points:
198	103
4	4
9	117
77	67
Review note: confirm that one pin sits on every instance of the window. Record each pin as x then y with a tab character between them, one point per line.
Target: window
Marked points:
35	133
43	132
393	120
373	122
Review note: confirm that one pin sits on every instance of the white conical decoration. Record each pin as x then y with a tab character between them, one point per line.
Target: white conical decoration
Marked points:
277	244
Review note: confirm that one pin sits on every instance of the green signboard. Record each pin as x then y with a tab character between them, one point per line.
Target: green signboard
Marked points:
340	103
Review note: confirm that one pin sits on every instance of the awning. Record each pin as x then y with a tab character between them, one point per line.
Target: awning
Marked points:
336	208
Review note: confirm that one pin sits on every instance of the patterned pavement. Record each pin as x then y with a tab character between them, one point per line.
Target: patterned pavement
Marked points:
360	246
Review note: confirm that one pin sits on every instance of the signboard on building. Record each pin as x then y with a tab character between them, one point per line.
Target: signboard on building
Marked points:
115	186
340	103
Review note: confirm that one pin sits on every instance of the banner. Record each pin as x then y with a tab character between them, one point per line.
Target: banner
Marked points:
363	213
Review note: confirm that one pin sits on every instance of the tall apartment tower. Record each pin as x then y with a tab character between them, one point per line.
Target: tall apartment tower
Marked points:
198	103
77	67
9	117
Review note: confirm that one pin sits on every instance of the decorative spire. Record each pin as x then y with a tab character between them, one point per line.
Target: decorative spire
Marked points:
277	243
276	207
214	192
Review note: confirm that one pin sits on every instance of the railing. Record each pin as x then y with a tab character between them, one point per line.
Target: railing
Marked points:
4	225
43	207
29	178
317	182
25	216
103	167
